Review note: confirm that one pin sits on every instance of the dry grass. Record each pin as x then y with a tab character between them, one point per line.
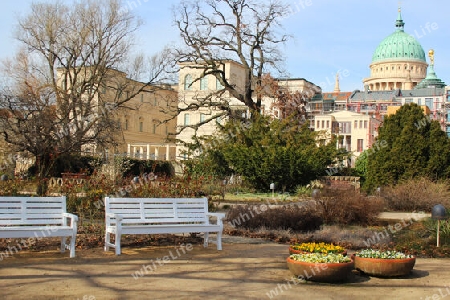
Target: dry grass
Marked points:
419	194
353	237
294	217
347	207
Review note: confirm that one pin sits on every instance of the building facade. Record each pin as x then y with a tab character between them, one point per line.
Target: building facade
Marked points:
146	115
194	88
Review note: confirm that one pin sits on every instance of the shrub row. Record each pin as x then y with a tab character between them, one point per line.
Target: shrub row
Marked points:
331	207
419	194
295	217
347	207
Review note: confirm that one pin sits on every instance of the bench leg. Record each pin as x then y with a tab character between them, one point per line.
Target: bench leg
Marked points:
107	240
205	239
63	244
72	246
219	240
117	242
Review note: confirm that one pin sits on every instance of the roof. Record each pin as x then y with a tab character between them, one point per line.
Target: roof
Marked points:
374	95
399	46
392	95
340	96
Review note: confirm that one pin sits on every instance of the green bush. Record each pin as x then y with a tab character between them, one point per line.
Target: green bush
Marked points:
70	163
139	167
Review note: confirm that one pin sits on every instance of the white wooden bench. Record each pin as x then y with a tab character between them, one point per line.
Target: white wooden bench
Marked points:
37	218
160	216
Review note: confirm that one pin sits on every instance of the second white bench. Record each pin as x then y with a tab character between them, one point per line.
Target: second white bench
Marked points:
160	216
36	218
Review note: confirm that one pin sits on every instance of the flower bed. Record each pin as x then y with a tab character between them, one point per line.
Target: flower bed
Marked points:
324	248
384	263
320	267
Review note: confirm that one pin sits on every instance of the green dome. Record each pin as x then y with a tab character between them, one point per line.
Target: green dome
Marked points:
399	46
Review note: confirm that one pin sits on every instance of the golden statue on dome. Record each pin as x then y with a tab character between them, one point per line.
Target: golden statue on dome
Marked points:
431	56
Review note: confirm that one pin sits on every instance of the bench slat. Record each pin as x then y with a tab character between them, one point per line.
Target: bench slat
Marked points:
44	205
31	222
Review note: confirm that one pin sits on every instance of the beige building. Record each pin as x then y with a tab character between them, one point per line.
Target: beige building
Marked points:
146	127
355	130
194	88
146	119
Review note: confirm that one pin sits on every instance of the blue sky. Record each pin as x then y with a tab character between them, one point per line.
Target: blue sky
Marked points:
328	36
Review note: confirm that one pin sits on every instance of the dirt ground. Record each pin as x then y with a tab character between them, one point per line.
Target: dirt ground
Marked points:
244	269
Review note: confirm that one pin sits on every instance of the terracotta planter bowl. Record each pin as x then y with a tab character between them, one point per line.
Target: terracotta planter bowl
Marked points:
385	267
321	272
294	251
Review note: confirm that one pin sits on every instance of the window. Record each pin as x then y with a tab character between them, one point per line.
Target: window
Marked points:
141	126
186	119
356	124
359	145
365	124
126	124
419	101
360	124
154	129
345	127
219	86
318	124
429	102
323	124
203	83
202	117
328	123
188	82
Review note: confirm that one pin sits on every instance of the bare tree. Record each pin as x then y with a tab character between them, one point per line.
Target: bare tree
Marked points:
65	85
216	32
288	103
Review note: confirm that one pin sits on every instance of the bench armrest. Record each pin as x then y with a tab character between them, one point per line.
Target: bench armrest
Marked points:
219	217
71	216
73	219
114	216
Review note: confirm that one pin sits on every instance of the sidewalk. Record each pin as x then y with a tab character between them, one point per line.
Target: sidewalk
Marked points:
403	215
240	271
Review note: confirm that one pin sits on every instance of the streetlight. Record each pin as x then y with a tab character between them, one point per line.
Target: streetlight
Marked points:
438	212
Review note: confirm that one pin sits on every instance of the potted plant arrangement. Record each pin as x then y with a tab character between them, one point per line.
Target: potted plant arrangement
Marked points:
384	263
329	267
316	248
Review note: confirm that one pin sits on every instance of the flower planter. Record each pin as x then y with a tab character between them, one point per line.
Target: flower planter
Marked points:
384	267
294	251
314	247
320	272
